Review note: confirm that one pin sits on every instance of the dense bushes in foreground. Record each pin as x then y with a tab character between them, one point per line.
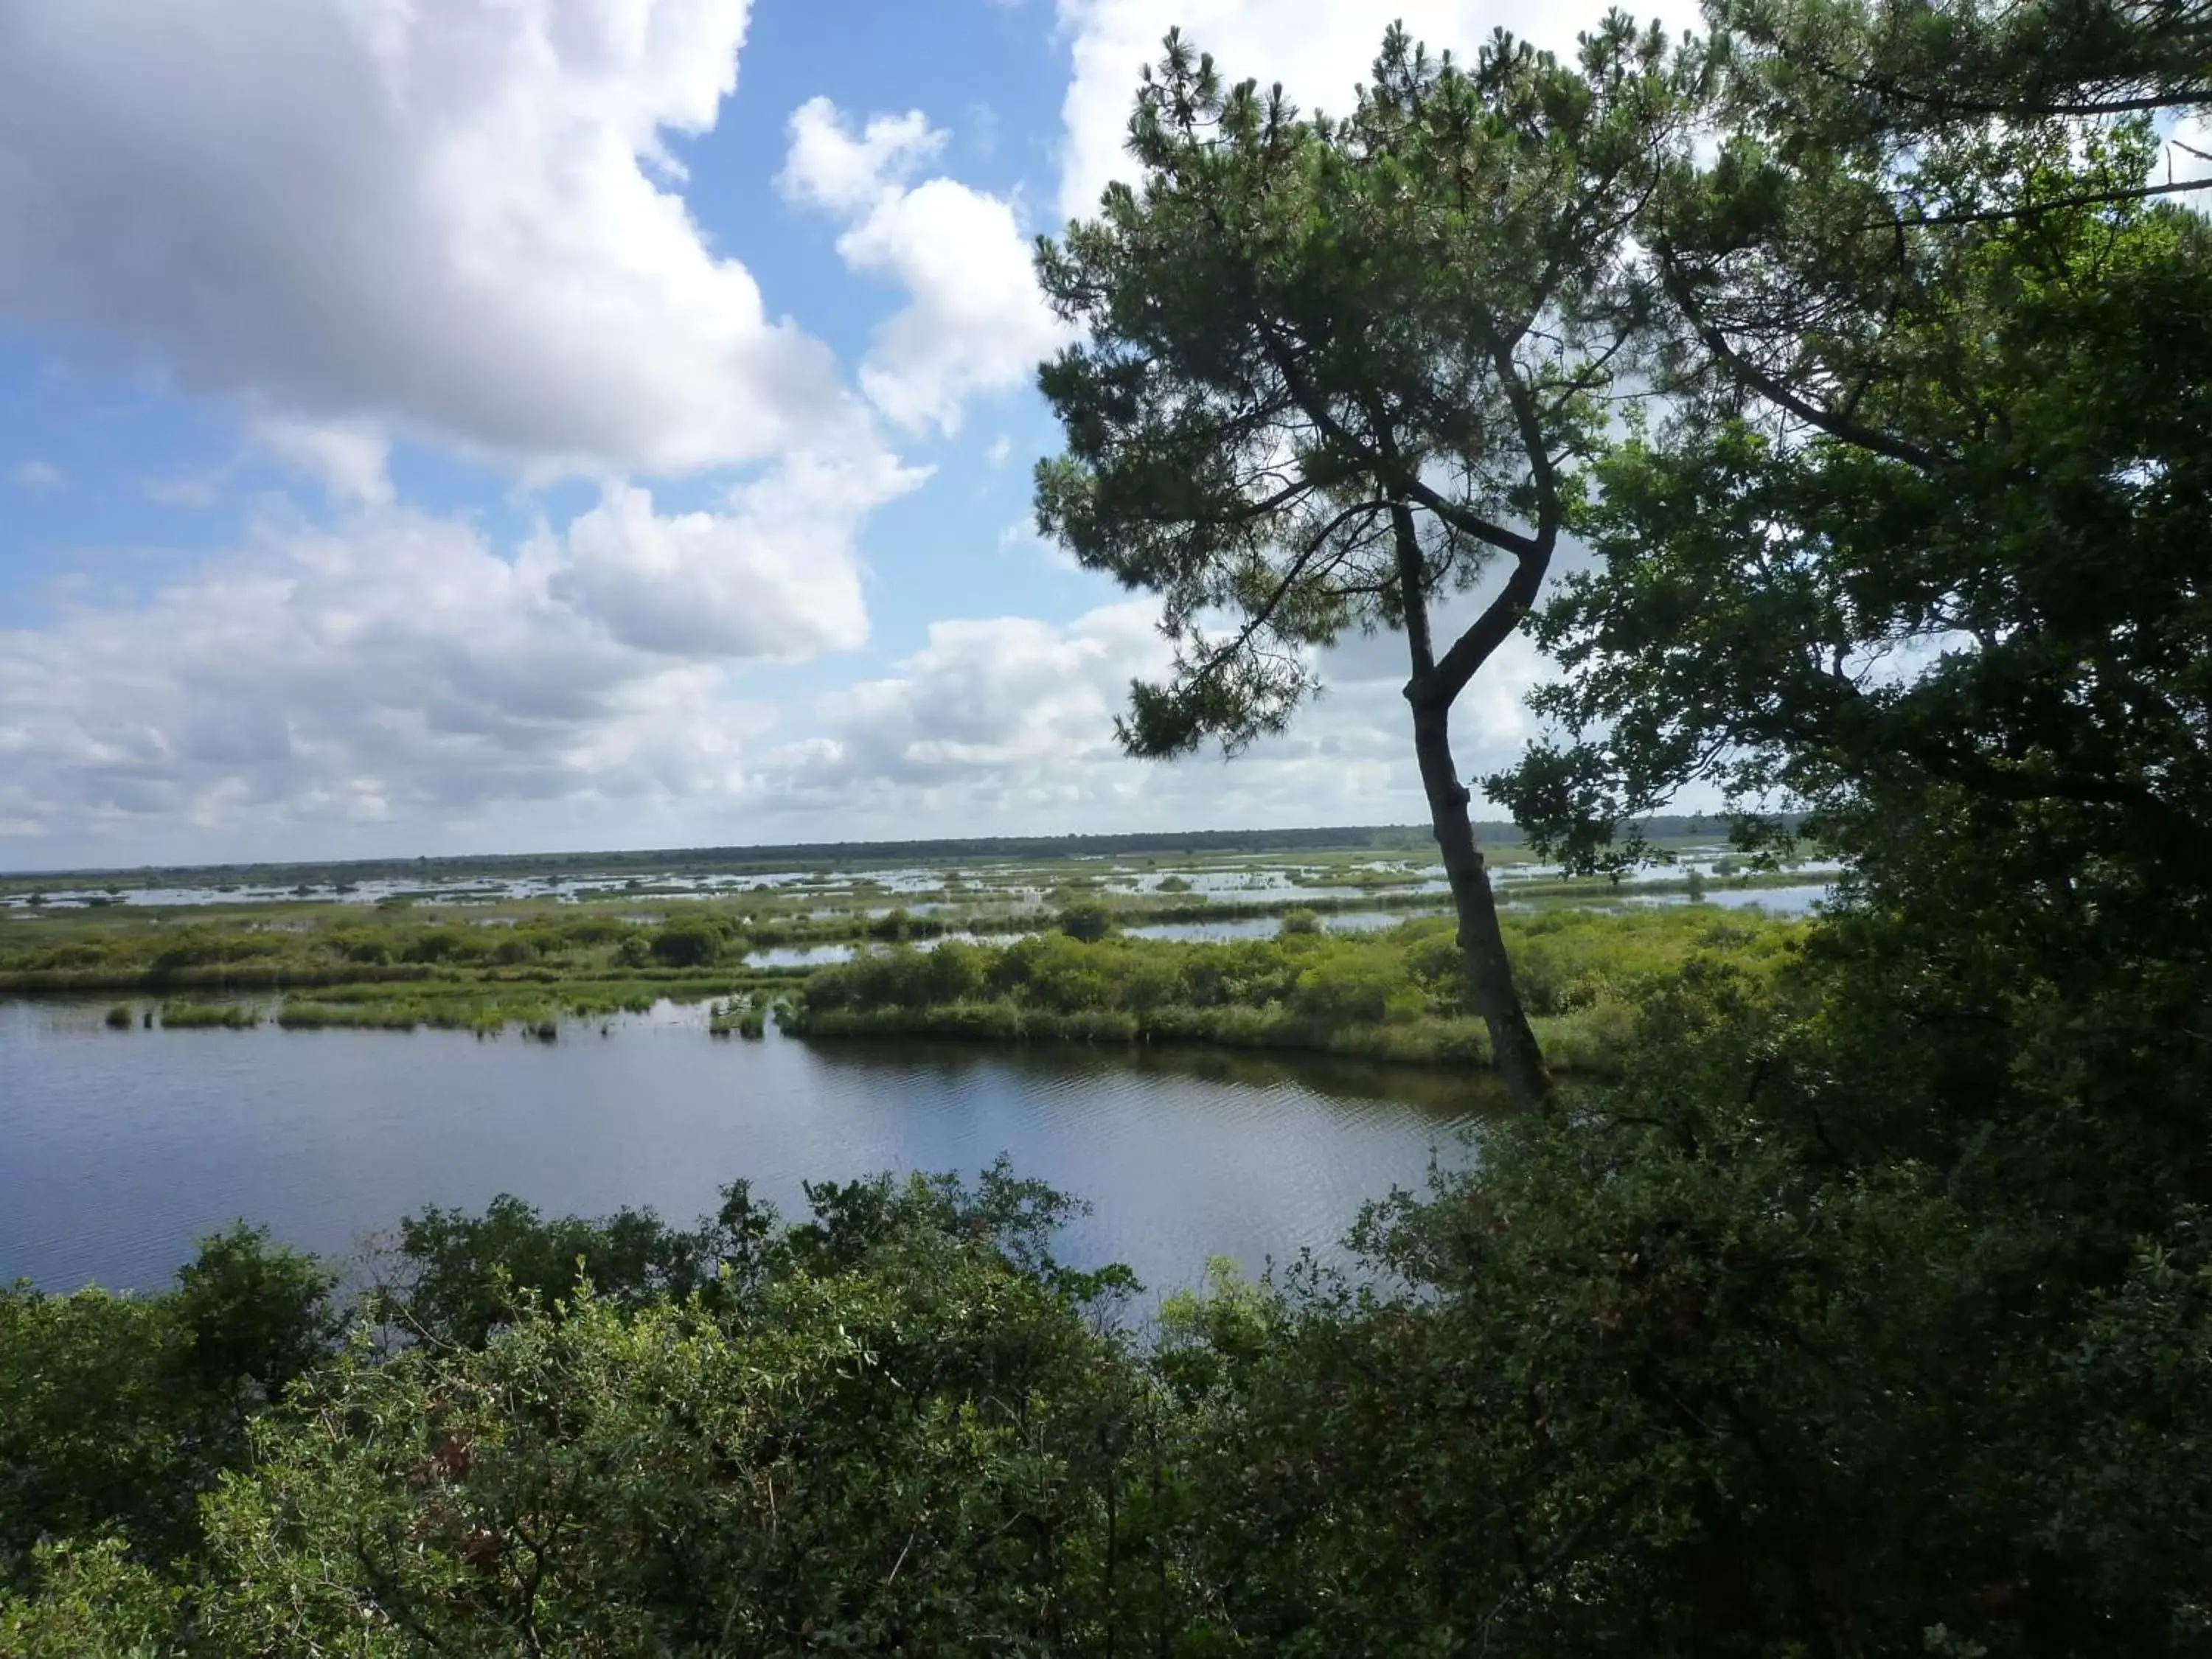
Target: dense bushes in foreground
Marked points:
1396	995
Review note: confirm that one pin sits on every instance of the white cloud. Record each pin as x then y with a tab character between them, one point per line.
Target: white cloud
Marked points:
975	321
1020	539
399	671
773	578
849	172
400	683
348	461
1008	693
35	474
456	221
1004	724
1319	50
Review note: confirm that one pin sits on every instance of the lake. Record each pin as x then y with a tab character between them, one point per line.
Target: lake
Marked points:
119	1148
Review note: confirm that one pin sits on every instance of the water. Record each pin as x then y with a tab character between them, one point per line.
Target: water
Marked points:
800	956
1235	927
1795	900
823	956
119	1148
482	890
1775	900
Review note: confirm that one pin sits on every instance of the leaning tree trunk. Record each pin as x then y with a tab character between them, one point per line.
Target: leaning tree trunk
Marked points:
1513	1045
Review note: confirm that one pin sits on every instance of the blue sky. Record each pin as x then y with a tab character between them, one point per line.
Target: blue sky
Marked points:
455	425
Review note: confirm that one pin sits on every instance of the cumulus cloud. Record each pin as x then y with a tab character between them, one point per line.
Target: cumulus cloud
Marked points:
847	172
1319	50
1005	725
457	220
771	578
348	461
1007	695
975	321
400	670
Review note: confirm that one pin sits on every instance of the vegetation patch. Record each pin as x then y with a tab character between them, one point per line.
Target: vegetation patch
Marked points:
1399	995
206	1016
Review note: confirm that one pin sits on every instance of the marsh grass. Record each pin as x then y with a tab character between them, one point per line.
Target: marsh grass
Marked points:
466	1007
743	1016
1400	996
522	962
208	1016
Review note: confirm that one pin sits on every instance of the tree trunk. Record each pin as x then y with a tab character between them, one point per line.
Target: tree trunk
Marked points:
1519	1061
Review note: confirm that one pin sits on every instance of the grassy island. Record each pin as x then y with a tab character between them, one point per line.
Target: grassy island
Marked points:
1400	995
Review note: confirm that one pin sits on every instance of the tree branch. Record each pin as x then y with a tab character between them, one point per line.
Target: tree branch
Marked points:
1401	481
1940	105
1490	630
1261	617
1836	426
2037	210
1502	614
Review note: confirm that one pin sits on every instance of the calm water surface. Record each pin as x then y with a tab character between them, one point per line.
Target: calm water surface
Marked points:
119	1148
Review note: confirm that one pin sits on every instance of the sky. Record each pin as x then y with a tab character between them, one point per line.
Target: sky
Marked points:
455	426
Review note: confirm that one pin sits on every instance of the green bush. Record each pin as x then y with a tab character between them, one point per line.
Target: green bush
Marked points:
443	944
116	1411
1087	920
1398	995
1347	991
690	942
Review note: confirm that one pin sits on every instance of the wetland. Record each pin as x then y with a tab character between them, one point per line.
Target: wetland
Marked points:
1227	1050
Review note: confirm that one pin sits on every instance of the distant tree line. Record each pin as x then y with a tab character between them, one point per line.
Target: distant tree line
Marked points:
808	855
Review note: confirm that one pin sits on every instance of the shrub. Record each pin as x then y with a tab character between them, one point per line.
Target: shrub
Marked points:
1088	921
1346	992
690	942
374	950
435	944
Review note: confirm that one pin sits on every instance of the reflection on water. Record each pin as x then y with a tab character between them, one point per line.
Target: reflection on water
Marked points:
1792	901
1775	900
1233	927
799	956
117	1148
